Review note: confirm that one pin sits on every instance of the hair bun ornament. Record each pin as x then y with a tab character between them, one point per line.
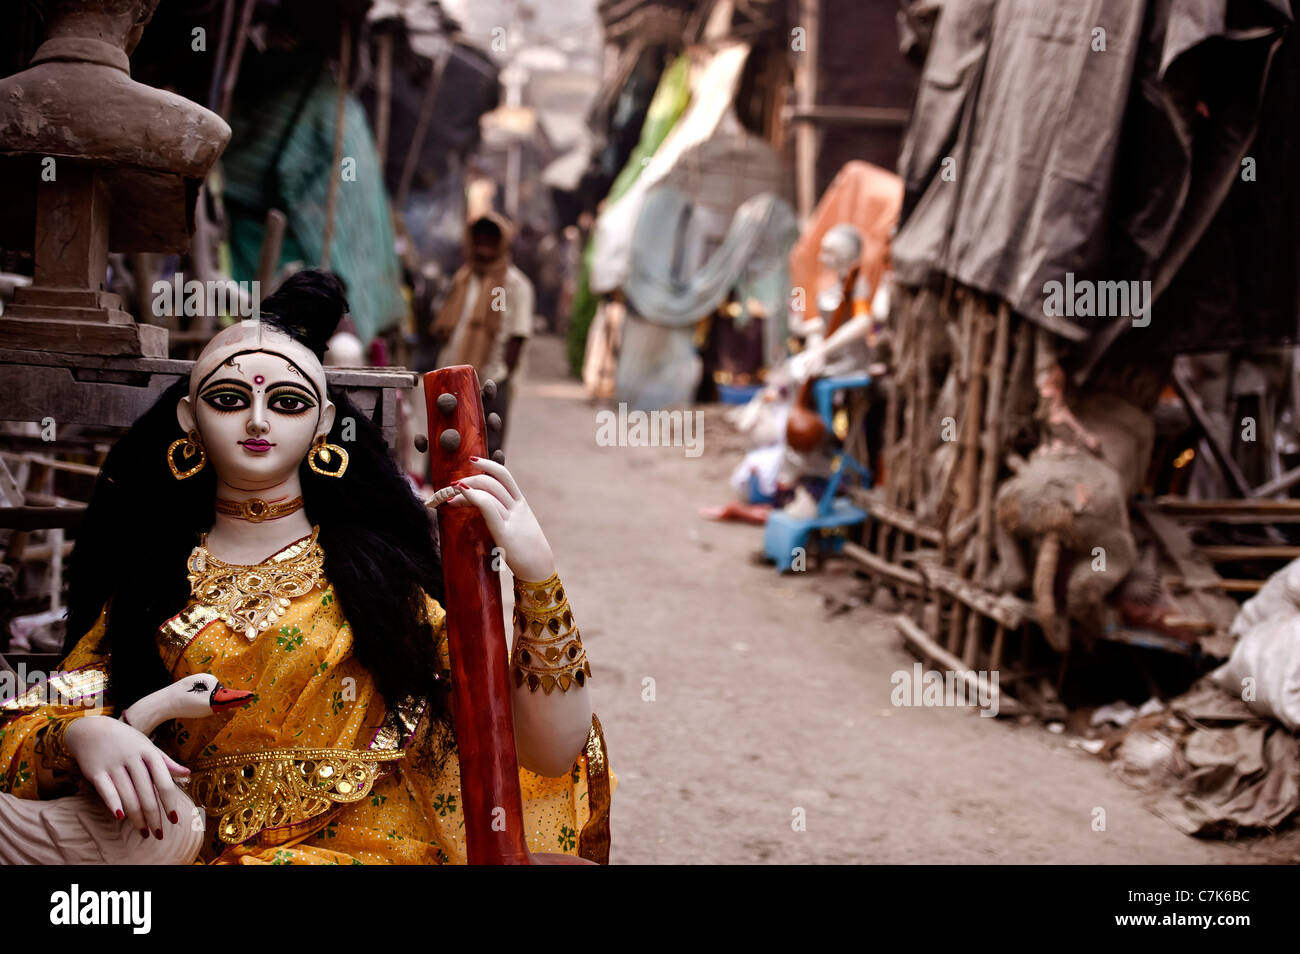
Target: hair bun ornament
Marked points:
308	307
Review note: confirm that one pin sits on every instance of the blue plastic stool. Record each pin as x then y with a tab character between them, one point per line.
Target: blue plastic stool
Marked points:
784	535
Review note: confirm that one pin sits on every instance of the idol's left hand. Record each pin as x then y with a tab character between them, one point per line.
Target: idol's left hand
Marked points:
509	518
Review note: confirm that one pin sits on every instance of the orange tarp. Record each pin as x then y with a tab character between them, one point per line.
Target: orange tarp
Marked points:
862	195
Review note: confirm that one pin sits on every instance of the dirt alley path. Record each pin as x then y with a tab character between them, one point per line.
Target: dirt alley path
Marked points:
763	704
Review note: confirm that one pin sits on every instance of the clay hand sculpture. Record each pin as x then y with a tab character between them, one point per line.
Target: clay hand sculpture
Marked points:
124	823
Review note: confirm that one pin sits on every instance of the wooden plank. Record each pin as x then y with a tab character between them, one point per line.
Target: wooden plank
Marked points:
1278	484
883	568
42	552
41	518
1225	554
846	115
1005	609
1197	573
915	637
52	463
1261	510
1196	570
874	503
1227	586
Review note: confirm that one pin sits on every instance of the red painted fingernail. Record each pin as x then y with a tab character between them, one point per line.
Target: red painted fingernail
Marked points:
173	817
158	833
120	814
144	832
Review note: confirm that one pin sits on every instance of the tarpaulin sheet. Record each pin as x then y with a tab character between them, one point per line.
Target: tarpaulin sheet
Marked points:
281	156
658	366
712	91
861	195
1092	138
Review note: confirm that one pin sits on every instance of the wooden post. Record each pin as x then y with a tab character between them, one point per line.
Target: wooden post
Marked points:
979	321
908	457
923	409
236	57
340	108
995	655
384	95
888	454
807	134
421	129
994	406
272	243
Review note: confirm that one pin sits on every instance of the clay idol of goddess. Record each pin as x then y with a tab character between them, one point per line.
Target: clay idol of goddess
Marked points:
257	669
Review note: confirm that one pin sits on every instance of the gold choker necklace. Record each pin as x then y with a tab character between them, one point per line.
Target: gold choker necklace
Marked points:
255	509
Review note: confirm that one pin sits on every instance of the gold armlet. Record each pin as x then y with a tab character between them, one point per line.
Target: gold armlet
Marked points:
548	651
52	747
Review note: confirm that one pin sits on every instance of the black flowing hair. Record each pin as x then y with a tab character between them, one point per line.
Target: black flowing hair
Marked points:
142	524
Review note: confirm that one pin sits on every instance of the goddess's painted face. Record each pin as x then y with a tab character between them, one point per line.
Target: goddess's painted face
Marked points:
257	413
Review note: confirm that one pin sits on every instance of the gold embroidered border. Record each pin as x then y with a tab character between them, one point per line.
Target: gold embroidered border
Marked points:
593	840
178	632
399	724
252	791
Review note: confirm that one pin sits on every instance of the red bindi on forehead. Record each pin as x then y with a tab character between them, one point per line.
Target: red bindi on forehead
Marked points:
258	379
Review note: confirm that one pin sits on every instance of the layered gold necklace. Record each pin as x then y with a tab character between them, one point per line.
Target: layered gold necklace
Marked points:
250	599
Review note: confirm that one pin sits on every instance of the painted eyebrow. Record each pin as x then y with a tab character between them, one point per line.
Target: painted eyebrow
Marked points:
285	358
289	384
226	382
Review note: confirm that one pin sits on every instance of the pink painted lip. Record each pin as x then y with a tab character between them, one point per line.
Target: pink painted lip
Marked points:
257	445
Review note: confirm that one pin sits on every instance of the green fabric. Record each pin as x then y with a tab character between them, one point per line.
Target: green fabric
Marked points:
584	312
672	96
362	248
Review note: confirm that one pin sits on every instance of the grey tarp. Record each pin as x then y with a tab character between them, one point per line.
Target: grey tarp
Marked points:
675	279
1066	157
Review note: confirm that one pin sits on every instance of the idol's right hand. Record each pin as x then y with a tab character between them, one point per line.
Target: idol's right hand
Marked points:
131	774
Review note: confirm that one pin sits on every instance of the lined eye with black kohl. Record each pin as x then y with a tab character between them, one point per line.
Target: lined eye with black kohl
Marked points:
289	402
226	399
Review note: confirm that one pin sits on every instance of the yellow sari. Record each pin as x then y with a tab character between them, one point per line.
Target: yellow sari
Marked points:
315	769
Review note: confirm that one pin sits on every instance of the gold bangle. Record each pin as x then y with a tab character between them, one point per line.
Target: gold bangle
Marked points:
548	652
52	746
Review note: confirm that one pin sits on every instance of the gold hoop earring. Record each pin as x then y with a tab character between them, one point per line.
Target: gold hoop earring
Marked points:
190	445
326	453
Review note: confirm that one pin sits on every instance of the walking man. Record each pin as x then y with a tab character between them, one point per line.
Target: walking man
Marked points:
487	317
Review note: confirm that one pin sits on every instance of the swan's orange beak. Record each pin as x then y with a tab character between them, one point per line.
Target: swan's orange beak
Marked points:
223	698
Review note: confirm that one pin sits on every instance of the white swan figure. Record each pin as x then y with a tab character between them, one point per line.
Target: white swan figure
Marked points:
79	830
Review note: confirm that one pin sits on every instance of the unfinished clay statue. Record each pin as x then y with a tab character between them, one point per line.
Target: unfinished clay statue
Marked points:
1069	505
91	160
